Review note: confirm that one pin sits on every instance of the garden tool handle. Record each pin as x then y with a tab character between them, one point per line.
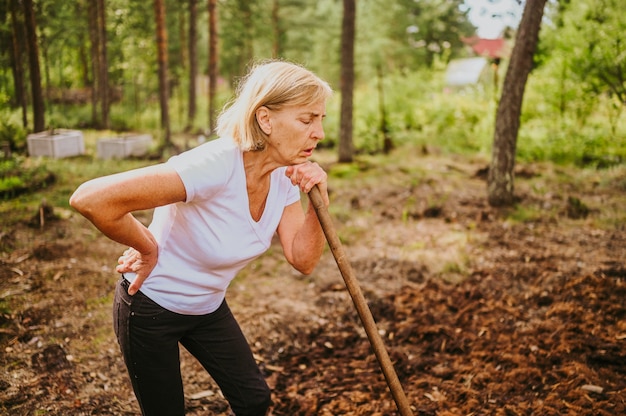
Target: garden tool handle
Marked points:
359	301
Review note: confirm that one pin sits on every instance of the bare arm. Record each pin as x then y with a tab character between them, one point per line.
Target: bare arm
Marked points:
108	202
301	234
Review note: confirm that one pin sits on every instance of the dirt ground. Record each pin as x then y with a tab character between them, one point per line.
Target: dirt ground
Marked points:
482	313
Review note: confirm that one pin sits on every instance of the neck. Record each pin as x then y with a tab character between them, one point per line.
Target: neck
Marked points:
258	164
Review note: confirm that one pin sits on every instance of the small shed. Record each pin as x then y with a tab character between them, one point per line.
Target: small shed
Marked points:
493	49
468	71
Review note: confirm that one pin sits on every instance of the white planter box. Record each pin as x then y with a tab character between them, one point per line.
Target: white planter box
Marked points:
61	143
123	147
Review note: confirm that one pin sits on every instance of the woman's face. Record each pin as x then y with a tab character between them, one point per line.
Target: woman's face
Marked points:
294	132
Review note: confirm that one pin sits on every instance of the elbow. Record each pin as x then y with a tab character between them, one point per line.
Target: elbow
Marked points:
305	269
306	263
303	264
80	202
75	201
304	255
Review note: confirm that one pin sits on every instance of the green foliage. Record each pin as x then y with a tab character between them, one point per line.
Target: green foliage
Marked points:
344	170
12	132
459	123
573	103
525	213
299	30
19	175
417	32
62	27
590	37
558	123
563	124
69	116
422	112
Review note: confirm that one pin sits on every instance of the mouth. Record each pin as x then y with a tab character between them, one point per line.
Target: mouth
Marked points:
308	152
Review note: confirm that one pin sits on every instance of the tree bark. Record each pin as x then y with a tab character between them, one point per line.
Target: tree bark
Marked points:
384	122
92	19
103	67
161	38
35	71
193	63
500	182
44	44
212	4
346	147
247	50
17	64
277	45
83	58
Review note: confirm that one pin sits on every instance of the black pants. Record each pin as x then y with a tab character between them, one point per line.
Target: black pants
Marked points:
149	335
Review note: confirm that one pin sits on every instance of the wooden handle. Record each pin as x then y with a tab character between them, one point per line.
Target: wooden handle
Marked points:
360	303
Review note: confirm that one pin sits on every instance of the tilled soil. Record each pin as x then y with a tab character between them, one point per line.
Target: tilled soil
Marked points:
481	314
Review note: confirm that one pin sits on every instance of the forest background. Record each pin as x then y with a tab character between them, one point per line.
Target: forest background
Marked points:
572	109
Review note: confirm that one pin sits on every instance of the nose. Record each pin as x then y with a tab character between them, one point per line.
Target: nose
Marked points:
318	131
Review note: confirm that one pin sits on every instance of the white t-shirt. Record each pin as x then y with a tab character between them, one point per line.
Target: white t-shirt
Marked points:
204	241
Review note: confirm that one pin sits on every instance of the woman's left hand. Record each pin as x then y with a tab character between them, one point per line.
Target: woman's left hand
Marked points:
306	175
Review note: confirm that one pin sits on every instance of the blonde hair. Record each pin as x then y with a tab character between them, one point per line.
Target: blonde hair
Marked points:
273	84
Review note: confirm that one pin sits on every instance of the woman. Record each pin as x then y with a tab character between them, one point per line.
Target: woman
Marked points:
217	207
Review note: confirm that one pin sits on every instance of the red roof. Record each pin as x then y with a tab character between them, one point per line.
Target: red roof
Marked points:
490	48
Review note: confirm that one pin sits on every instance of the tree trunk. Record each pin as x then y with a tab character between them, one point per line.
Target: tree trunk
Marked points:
92	20
43	59
83	53
247	48
193	63
161	37
277	46
346	147
500	182
212	63
384	123
103	67
35	72
183	51
18	65
83	58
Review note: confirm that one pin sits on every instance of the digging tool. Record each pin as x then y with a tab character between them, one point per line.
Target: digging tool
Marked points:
359	302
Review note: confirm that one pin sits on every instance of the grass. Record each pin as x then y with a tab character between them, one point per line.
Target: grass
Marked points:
69	173
53	181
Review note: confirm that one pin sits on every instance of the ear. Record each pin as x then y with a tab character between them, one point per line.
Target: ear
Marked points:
263	118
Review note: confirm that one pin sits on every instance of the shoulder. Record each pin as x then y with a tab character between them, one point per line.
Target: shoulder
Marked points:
206	167
218	154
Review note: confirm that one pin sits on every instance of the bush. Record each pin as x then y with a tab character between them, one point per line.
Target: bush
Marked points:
18	176
13	133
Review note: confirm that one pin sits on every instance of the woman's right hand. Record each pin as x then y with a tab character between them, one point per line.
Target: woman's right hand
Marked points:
140	264
109	201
